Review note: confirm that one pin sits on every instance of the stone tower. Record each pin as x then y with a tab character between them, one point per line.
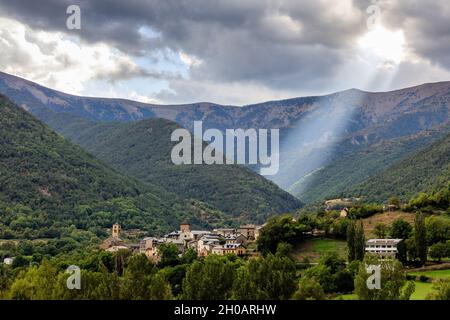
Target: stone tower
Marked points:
116	230
185	227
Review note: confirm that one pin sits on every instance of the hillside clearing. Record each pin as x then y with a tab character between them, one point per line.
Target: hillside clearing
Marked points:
315	248
386	218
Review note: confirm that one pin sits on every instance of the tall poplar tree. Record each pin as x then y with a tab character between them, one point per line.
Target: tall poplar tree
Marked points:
360	241
420	238
351	240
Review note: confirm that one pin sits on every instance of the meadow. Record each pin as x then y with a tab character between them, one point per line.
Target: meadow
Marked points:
314	248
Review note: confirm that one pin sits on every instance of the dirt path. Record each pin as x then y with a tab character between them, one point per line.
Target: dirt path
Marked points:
441	266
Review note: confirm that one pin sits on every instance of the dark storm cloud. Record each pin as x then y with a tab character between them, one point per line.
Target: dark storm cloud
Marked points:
118	29
277	43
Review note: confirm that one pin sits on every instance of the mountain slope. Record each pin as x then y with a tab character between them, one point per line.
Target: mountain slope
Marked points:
142	150
49	186
317	133
347	170
426	170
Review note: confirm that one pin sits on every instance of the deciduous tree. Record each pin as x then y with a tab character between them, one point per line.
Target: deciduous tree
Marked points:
211	279
309	289
394	285
272	277
400	229
441	290
380	231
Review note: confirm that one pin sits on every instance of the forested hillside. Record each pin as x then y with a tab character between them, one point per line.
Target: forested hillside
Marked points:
351	169
51	188
329	144
142	150
426	170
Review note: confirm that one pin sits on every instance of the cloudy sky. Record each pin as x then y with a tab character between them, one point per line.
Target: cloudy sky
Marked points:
225	51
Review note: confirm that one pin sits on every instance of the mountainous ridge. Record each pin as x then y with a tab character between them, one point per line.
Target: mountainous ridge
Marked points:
172	111
343	173
142	149
48	186
315	131
423	171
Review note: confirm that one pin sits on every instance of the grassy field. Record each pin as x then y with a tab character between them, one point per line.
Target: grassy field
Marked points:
435	274
350	296
445	216
425	288
314	248
422	290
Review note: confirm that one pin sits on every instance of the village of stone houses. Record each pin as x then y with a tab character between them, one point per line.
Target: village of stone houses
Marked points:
345	233
328	252
218	241
223	241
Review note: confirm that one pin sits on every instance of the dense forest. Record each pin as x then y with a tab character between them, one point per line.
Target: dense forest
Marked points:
426	170
142	150
52	189
350	172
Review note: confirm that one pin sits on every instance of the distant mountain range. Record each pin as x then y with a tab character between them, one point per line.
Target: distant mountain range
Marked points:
329	144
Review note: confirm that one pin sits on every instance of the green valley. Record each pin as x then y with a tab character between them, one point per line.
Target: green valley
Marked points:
142	150
51	188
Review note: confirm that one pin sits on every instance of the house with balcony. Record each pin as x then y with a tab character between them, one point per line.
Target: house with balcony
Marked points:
383	248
